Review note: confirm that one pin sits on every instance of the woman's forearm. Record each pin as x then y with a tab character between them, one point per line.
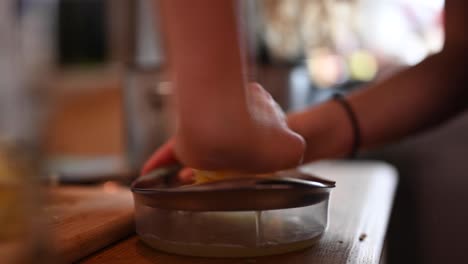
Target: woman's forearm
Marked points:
415	99
205	59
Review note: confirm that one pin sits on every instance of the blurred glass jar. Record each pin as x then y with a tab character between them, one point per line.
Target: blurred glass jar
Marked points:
23	62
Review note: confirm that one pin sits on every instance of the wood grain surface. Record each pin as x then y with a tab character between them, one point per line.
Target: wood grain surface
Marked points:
85	219
359	211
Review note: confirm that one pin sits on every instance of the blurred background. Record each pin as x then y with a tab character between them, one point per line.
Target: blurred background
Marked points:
100	65
83	88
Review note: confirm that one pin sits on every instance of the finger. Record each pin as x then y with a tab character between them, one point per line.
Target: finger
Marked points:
186	175
259	89
162	157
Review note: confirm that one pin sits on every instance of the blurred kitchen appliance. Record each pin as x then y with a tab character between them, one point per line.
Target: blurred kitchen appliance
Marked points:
146	90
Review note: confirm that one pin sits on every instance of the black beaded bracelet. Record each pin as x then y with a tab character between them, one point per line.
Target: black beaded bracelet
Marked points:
354	123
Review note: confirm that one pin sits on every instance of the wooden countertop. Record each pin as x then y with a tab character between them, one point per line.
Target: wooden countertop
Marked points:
84	219
359	211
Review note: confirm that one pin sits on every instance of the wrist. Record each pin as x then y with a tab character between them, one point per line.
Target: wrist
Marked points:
326	129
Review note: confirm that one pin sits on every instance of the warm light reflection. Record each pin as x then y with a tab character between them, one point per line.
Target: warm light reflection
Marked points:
110	187
326	68
362	65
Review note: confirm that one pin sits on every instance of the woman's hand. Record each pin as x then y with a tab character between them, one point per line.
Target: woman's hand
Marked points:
165	156
257	142
252	138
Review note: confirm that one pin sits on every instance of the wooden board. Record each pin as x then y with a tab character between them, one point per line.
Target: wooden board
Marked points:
85	219
359	211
